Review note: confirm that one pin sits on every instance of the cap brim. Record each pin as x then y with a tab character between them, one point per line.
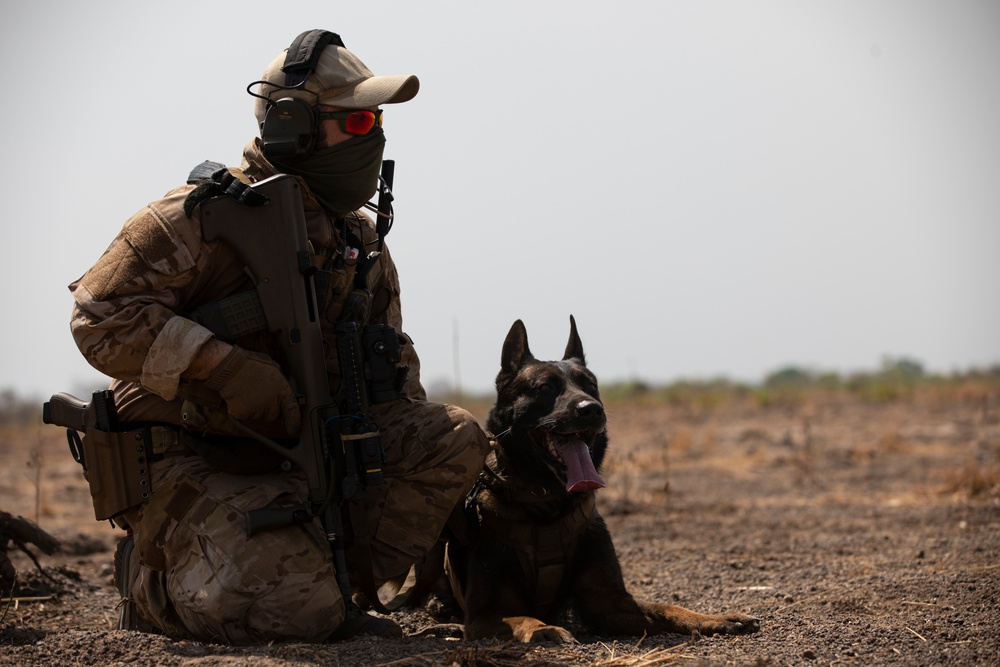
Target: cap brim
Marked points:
375	91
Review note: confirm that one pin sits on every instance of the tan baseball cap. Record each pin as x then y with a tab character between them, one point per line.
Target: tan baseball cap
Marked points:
340	79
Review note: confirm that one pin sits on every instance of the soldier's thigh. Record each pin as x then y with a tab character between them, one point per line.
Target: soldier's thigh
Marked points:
433	455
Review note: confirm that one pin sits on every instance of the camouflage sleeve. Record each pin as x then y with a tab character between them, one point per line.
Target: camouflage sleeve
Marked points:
394	317
125	313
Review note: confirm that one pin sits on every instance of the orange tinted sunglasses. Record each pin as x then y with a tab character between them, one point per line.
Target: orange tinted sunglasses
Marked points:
354	121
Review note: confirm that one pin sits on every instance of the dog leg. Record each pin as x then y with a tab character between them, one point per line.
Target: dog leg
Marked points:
604	604
628	616
496	606
671	618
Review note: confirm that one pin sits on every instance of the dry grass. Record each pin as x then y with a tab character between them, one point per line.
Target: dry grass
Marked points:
974	480
526	655
658	435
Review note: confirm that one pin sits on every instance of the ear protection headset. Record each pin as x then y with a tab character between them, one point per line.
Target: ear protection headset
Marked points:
289	127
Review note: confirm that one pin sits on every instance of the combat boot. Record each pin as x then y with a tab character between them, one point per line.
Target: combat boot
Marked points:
126	575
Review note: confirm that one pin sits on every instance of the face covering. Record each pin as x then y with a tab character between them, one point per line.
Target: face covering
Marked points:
343	177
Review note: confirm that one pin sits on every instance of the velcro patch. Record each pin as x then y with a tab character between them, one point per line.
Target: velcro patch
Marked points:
183	498
119	265
145	243
150	237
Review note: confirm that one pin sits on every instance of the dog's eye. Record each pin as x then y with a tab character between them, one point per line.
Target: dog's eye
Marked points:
544	388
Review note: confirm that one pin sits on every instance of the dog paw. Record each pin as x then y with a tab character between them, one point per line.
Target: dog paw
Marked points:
738	624
536	631
551	633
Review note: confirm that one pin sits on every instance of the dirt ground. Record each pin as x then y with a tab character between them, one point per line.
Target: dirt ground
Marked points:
859	532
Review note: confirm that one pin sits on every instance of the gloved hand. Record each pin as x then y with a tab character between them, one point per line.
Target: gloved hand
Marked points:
254	388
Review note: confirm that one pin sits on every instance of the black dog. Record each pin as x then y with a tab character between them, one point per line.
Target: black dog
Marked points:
536	546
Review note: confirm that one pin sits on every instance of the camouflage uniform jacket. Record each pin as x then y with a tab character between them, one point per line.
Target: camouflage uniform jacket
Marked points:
129	317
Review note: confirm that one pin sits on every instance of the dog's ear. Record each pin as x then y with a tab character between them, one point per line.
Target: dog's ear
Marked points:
515	349
574	348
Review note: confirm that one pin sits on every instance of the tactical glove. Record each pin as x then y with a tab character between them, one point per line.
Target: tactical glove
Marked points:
254	388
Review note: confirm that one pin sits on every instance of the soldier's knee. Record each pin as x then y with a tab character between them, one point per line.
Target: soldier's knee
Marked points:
470	442
281	586
295	608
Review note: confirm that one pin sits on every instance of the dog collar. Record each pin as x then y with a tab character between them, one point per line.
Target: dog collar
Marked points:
492	478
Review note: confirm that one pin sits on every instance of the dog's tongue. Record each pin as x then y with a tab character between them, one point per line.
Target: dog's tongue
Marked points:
581	475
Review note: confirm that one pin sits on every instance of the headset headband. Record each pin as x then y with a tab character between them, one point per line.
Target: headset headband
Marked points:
304	53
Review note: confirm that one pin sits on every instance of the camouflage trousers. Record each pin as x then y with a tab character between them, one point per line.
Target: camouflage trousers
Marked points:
202	577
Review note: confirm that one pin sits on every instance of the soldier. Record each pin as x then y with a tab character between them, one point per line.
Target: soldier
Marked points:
188	567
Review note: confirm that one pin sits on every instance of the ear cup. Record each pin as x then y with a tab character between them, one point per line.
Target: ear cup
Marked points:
289	129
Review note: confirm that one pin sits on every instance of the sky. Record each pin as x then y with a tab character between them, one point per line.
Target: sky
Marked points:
712	188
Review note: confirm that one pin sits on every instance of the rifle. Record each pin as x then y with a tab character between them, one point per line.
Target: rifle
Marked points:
272	242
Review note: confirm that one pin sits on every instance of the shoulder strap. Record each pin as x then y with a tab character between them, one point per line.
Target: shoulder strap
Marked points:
214	179
204	171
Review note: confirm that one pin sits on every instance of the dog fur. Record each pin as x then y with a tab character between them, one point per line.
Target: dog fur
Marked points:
535	546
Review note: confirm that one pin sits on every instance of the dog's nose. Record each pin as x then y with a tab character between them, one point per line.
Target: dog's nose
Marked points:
589	409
